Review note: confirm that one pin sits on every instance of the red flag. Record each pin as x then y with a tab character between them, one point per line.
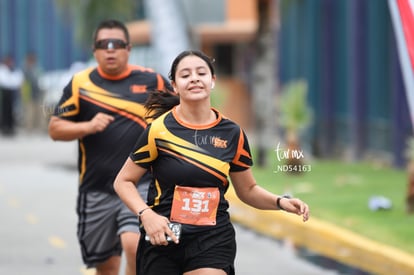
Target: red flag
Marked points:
402	14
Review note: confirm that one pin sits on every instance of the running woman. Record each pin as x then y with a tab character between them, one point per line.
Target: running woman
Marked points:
194	153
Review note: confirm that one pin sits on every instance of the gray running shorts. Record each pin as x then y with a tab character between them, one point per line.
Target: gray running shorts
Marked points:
102	217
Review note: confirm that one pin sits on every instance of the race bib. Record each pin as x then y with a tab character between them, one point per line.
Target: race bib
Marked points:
196	206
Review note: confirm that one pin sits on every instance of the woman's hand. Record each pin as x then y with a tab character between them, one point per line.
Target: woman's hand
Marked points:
296	206
156	228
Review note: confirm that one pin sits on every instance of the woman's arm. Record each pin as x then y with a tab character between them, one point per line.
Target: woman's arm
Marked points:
252	194
156	226
125	186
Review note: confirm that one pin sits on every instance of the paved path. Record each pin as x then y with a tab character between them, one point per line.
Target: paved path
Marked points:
38	221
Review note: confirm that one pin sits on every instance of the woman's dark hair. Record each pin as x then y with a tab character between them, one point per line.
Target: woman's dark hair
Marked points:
111	24
160	102
183	54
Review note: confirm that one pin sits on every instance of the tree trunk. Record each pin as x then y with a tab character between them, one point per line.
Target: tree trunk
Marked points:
294	160
410	188
264	85
169	31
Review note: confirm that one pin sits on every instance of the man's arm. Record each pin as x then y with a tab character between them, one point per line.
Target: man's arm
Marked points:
65	130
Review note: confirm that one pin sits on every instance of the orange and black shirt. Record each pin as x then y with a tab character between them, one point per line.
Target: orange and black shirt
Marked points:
179	154
102	155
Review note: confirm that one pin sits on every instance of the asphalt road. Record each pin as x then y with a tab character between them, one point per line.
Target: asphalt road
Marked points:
38	186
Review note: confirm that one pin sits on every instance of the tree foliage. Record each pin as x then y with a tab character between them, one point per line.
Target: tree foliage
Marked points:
86	14
295	114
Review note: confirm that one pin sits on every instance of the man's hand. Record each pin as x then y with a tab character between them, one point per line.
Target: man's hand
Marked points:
99	122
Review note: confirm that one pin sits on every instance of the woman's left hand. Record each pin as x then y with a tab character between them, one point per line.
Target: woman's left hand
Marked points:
296	206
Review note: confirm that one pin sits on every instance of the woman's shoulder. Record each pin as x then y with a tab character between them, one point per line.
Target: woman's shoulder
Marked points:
160	121
224	120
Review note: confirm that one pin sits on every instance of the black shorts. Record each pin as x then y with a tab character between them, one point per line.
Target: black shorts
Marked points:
214	248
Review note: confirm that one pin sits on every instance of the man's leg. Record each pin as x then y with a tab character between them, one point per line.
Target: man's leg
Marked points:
129	242
97	231
109	267
8	123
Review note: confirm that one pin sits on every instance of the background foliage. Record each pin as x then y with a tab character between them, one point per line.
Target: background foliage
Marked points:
88	13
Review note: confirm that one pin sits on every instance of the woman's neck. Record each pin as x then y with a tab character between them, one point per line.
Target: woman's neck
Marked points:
195	114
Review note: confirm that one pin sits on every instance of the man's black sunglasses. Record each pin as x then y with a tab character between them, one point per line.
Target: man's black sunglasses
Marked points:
110	44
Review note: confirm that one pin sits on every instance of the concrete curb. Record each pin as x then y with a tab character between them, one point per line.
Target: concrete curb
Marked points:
323	238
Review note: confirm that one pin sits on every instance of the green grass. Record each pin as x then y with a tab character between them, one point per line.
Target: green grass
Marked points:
339	192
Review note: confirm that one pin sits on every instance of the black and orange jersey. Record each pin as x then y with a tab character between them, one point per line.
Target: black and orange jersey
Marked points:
179	154
102	155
